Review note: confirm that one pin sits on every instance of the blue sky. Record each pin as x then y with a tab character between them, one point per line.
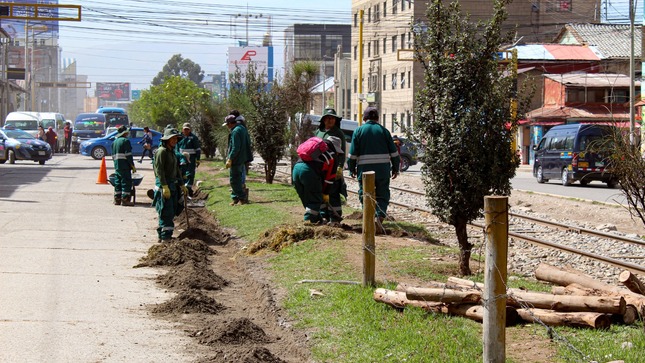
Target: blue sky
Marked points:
130	41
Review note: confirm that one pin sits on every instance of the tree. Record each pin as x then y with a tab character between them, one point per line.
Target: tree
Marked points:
178	66
174	102
463	115
266	116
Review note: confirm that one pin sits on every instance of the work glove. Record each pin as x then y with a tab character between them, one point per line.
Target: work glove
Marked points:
165	191
394	174
352	173
134	169
197	162
184	190
228	163
326	198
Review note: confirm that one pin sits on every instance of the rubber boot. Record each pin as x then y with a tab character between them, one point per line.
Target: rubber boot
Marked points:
127	202
117	200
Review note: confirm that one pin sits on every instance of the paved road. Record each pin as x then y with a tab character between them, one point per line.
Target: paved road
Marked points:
68	292
524	180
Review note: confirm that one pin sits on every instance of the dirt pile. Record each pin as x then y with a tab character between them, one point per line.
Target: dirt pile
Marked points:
286	235
224	314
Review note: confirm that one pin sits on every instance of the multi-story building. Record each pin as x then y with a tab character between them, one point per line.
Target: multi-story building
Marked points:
390	78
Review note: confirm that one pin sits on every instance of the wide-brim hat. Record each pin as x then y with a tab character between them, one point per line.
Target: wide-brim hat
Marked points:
169	134
330	112
122	131
230	119
337	142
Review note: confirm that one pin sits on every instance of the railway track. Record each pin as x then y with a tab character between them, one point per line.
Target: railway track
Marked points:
540	232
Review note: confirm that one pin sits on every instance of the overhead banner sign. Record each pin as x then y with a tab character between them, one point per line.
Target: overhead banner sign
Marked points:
113	91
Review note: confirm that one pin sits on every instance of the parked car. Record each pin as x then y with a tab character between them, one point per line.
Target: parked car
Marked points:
99	147
409	153
572	153
16	144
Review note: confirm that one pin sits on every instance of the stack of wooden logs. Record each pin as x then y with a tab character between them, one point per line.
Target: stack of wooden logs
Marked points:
579	300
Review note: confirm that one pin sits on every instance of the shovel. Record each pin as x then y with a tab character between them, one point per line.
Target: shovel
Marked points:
186	210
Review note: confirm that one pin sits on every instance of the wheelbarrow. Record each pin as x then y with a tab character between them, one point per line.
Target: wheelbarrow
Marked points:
136	180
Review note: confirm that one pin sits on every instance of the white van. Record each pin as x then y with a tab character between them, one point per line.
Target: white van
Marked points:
29	121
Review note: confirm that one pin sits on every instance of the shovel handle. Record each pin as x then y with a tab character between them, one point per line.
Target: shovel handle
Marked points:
186	210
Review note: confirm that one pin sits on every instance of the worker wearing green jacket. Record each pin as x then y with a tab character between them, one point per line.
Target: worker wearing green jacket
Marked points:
373	149
123	166
190	144
168	184
239	153
330	126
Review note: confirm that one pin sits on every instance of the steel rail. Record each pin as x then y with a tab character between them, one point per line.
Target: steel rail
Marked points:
611	261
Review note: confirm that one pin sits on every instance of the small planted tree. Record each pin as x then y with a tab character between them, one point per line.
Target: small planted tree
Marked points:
180	67
463	115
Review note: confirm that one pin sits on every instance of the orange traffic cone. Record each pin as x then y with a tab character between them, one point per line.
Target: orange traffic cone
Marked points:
102	179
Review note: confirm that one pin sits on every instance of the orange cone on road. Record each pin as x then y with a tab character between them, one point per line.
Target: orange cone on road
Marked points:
102	179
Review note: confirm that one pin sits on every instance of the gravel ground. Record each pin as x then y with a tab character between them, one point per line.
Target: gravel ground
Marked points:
523	256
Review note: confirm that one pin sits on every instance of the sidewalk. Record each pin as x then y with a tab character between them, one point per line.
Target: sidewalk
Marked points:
67	287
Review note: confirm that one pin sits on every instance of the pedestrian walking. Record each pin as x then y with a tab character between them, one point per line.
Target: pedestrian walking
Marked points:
373	149
67	133
239	154
123	166
52	138
147	144
189	143
330	126
41	134
169	185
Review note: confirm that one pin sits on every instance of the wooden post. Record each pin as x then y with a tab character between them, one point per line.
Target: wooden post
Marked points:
369	246
496	213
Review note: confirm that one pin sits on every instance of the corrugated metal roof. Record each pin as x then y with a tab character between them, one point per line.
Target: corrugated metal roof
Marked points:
329	85
592	79
557	52
612	40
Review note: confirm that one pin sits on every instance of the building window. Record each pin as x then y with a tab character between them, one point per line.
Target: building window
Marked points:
394	81
377	10
394	46
331	44
393	118
402	80
403	40
307	46
384	82
402	120
409	79
355	52
384	45
355	85
369	50
355	20
369	15
376	47
384	9
395	5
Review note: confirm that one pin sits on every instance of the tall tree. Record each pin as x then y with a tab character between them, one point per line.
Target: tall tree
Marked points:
178	66
266	117
463	115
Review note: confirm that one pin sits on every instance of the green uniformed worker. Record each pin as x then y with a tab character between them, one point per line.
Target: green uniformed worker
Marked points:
169	184
239	153
190	144
123	166
330	126
373	149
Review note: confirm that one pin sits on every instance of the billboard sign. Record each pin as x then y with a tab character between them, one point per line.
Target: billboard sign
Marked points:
113	91
241	57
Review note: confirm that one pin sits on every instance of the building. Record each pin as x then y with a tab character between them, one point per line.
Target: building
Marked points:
389	76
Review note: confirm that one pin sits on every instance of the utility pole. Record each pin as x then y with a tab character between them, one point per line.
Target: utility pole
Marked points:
247	16
632	91
360	66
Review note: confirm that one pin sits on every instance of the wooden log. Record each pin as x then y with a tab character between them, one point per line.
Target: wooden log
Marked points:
632	282
568	303
631	311
457	283
476	312
565	277
554	318
402	286
577	289
629	317
444	295
398	300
